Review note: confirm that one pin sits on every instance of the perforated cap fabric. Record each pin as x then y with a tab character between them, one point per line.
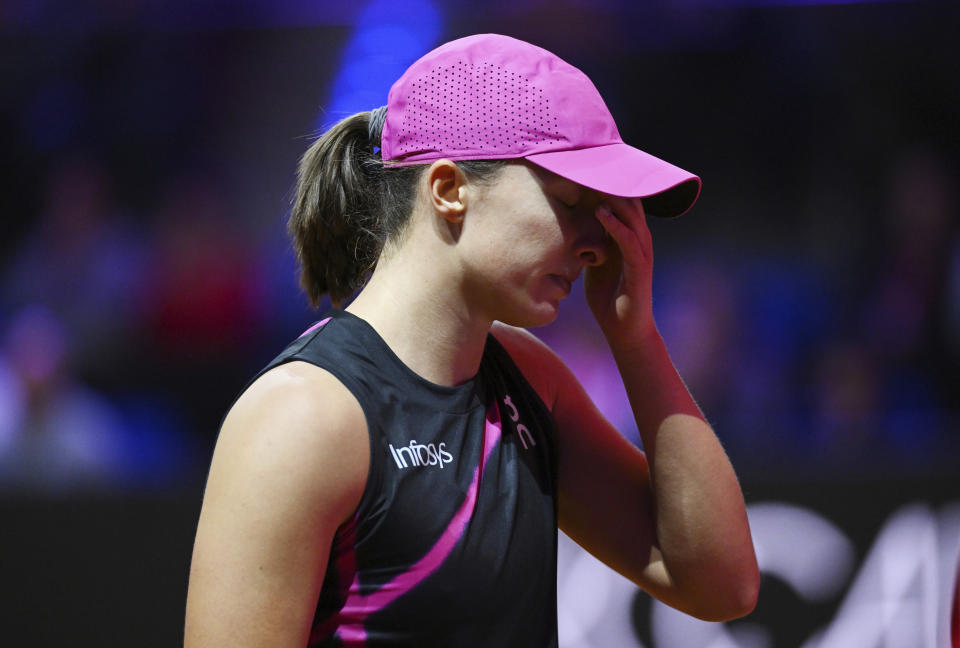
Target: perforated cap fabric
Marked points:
490	96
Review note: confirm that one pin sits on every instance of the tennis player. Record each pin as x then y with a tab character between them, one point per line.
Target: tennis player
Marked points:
397	475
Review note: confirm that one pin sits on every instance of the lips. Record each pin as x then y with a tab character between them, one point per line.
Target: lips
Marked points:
563	282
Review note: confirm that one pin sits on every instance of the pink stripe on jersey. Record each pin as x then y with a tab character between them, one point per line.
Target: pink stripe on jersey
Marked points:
491	432
358	606
314	327
344	555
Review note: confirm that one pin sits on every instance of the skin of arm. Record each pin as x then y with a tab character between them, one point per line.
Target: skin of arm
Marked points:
289	467
673	519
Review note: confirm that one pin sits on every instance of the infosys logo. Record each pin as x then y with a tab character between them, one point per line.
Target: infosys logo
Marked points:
418	454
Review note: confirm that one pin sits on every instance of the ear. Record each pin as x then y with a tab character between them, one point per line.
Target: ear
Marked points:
447	191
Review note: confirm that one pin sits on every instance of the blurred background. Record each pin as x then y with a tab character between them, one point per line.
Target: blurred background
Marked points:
811	299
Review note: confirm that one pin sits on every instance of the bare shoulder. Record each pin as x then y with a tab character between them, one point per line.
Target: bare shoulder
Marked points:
297	392
289	467
297	420
542	368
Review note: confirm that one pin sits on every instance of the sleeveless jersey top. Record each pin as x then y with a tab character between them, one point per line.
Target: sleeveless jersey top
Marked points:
454	542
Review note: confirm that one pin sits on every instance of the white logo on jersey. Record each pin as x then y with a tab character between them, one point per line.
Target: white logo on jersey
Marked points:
418	454
522	430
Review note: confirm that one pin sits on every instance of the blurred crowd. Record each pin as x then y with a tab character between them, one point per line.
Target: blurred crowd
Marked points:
120	334
836	360
130	317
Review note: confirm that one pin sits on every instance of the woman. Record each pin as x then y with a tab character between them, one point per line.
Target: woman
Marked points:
397	475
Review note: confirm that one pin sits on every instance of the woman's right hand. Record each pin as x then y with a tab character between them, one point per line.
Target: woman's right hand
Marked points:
619	290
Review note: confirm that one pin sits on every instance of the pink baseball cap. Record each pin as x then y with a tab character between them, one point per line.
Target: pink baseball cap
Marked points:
490	96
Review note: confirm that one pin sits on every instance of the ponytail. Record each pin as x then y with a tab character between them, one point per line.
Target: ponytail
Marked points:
334	225
348	205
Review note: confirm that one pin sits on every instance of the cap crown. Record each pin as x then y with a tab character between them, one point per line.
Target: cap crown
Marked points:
491	96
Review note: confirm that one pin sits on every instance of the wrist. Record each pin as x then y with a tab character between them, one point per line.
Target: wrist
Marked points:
641	339
653	384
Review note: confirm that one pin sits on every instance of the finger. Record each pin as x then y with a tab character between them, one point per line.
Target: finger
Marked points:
631	211
628	251
615	226
626	237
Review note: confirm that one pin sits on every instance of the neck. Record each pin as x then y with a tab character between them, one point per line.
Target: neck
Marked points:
423	318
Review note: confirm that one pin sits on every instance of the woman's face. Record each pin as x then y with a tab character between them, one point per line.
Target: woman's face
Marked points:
525	239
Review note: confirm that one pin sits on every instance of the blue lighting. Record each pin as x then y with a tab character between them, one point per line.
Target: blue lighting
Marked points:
388	37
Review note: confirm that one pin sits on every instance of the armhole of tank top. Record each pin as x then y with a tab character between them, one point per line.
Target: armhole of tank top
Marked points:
511	373
503	357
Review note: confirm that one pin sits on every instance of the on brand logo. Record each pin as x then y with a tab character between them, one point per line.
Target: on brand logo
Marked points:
522	431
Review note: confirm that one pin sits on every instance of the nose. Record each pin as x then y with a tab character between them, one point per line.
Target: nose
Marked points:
593	255
592	239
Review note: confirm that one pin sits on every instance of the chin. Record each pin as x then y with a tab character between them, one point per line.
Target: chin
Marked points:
533	315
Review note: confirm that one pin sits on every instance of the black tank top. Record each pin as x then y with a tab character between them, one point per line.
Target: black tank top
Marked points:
454	542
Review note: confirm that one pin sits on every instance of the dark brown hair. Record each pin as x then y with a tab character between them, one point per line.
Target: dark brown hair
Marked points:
348	204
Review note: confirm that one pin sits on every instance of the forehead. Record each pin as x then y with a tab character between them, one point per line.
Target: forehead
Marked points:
546	180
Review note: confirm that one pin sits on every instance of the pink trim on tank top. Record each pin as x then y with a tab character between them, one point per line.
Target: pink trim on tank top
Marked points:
345	550
314	327
359	606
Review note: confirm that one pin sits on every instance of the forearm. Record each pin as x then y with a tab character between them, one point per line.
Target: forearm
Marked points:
700	516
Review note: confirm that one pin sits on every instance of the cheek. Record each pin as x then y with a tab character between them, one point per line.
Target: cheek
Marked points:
501	267
533	240
504	240
505	272
515	237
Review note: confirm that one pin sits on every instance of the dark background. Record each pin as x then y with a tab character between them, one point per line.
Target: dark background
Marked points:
811	299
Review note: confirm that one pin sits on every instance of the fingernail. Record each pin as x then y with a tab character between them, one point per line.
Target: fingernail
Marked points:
604	210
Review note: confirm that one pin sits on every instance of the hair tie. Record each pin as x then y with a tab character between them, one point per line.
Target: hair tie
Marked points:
377	117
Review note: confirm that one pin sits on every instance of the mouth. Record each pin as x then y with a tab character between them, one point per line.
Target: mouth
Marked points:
563	282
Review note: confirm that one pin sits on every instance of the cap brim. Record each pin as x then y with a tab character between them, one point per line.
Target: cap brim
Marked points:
622	170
